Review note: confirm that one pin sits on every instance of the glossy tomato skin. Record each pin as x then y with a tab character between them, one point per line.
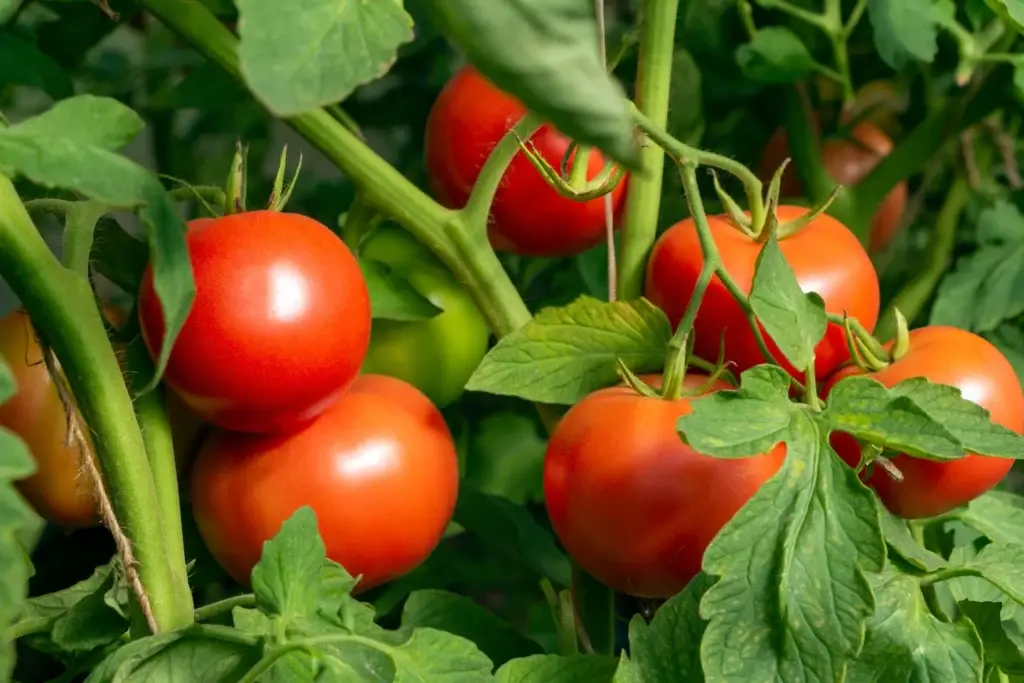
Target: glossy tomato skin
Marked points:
847	162
945	355
825	255
279	327
59	491
379	468
631	503
528	217
437	355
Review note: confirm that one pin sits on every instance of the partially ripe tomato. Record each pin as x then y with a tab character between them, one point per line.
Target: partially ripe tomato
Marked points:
825	256
847	162
468	119
379	468
633	504
59	490
279	327
944	355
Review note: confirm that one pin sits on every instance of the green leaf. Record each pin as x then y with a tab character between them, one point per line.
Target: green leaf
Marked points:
775	55
665	650
555	669
1010	342
999	515
560	75
1018	80
23	63
506	457
511	530
999	648
286	580
795	321
906	643
342	44
84	120
77	159
686	105
1002	565
15	517
792	597
118	256
964	419
565	353
90	622
460	615
427	655
898	536
391	295
868	410
1011	11
903	30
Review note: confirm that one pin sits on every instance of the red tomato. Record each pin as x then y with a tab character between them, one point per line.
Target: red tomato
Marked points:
848	162
279	327
528	216
631	503
945	355
825	255
379	468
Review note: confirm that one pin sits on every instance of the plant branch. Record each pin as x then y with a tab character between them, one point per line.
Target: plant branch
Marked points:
215	609
643	201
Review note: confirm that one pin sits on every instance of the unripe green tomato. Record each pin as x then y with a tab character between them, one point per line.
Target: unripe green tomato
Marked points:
436	355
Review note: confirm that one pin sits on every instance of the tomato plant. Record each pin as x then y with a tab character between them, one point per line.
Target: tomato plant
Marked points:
540	375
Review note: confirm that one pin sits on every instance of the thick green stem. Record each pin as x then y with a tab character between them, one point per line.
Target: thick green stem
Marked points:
643	201
63	312
913	296
478	206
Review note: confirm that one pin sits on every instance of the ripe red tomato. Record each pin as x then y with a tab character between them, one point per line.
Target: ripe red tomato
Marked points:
528	216
945	355
633	504
379	468
59	490
825	255
279	327
848	162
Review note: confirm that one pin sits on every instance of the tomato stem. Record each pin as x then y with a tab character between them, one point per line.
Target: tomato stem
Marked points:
643	201
478	206
811	392
63	310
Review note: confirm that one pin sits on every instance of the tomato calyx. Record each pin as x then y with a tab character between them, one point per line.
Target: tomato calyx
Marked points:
236	188
570	180
679	358
866	351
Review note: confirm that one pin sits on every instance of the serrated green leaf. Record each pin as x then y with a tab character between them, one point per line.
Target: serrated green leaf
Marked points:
795	321
792	596
84	120
1011	11
391	295
23	63
565	353
903	30
775	55
999	648
999	515
663	651
865	408
438	657
1002	565
286	579
744	422
905	643
964	419
510	529
89	623
344	44
555	669
460	615
561	76
897	535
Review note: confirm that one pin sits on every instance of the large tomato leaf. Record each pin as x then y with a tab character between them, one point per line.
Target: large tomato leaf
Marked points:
565	353
303	54
23	63
904	30
792	594
999	515
1000	647
555	669
905	642
898	536
1001	564
15	518
70	146
545	53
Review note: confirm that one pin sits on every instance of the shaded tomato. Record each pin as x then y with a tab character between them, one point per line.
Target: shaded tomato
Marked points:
279	327
847	162
59	490
528	216
436	355
825	255
944	355
379	468
633	504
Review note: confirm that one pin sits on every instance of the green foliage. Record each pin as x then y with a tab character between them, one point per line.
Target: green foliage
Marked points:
775	55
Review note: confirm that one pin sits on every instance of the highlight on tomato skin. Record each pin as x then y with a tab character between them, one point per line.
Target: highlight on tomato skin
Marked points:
279	327
825	256
378	467
956	357
528	217
633	505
